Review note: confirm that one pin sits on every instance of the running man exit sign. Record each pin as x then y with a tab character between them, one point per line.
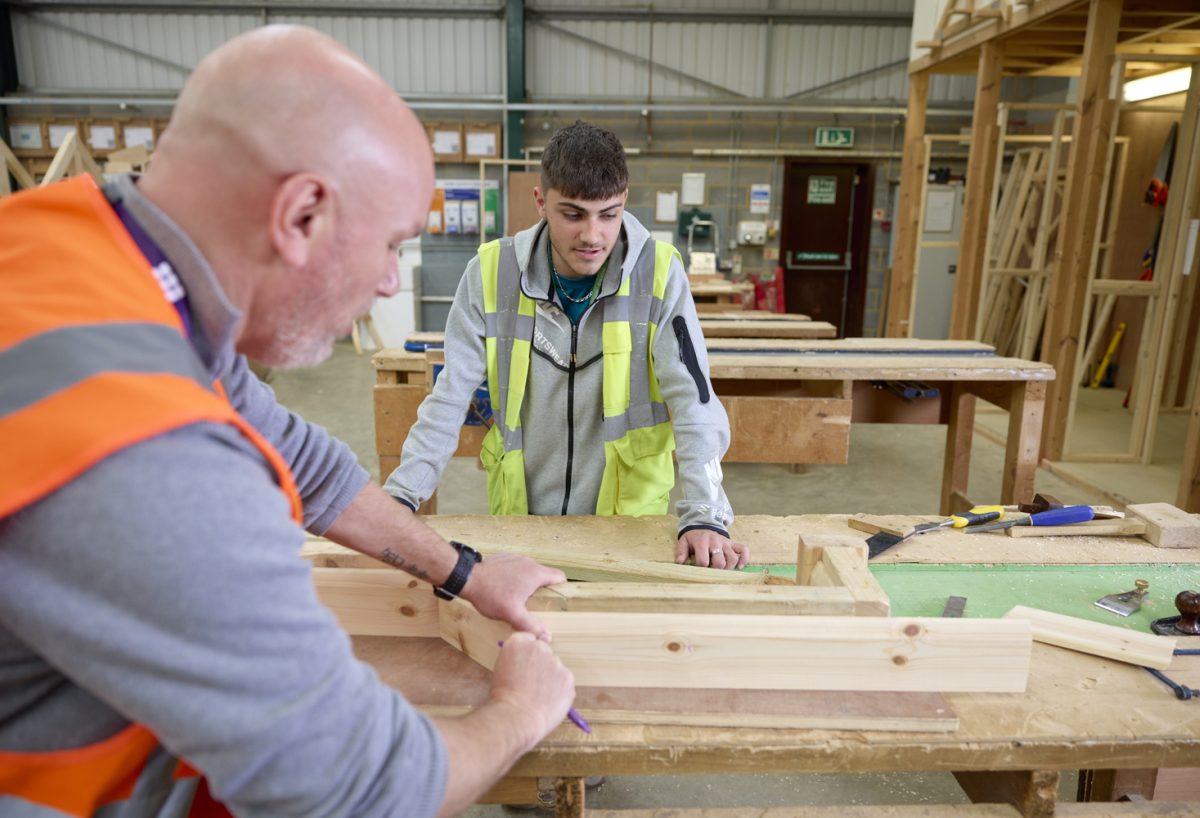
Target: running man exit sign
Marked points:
835	137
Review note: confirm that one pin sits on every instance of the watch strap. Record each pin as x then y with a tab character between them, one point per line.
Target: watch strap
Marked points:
467	557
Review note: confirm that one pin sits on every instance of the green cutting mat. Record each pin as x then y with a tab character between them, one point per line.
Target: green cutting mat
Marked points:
991	590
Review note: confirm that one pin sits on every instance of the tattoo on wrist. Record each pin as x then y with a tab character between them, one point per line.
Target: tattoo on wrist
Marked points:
395	560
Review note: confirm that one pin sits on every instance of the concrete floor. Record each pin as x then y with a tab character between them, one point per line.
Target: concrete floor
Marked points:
892	469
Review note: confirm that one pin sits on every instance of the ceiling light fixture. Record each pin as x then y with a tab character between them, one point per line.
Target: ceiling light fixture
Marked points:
1158	85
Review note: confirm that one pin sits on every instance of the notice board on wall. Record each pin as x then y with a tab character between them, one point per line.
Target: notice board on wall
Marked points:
522	210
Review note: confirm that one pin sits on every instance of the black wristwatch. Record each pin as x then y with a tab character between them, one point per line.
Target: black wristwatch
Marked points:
467	557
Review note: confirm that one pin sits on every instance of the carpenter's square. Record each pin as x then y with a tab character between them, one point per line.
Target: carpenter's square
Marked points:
884	537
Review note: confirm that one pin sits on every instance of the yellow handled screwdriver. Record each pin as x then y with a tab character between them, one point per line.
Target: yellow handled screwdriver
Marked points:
976	516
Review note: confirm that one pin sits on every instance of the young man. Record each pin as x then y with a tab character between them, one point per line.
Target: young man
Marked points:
587	334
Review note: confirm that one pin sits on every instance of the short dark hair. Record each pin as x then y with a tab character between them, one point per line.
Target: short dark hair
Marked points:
585	161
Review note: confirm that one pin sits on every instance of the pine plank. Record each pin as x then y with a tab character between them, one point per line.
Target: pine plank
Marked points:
838	811
1093	528
692	598
603	569
441	680
767	652
770	539
370	602
1111	642
766	329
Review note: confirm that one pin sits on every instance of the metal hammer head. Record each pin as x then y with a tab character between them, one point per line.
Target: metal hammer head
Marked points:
1041	502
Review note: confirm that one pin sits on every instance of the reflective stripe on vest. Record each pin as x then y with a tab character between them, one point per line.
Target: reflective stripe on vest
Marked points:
637	430
128	775
93	359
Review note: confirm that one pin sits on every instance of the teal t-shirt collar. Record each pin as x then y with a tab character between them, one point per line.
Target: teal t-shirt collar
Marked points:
575	294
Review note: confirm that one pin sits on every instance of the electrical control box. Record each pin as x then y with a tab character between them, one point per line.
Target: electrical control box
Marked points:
752	233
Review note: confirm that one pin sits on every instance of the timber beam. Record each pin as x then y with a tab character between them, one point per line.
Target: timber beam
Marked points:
1092	139
902	283
749	652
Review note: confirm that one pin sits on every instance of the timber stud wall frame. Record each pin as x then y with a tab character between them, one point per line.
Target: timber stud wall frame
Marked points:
1088	39
712	635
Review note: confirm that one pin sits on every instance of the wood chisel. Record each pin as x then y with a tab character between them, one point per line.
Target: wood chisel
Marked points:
884	537
1055	516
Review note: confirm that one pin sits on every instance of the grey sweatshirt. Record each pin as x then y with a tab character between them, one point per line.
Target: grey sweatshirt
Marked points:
164	586
562	413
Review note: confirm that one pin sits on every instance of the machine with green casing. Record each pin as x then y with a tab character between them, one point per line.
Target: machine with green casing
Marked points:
695	214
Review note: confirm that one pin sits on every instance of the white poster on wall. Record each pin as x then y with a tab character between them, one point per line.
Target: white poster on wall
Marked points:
666	206
693	189
939	211
760	199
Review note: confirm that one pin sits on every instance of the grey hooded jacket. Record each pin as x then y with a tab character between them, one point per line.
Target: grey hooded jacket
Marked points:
562	411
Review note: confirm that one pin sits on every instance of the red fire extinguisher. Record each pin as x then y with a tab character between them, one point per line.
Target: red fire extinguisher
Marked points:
768	291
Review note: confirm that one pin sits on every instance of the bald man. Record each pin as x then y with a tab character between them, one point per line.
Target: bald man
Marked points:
161	644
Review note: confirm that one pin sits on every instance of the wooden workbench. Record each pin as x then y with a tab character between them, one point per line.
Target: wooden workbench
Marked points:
720	296
759	324
792	401
1079	711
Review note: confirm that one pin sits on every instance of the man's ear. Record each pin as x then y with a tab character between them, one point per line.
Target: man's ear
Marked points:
301	215
540	201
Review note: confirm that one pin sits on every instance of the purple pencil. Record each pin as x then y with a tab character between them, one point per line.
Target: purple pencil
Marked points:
572	714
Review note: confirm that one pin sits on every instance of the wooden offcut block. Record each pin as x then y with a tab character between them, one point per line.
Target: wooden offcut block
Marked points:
847	568
830	562
1166	525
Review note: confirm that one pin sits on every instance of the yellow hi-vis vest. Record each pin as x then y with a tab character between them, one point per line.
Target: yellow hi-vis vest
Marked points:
638	441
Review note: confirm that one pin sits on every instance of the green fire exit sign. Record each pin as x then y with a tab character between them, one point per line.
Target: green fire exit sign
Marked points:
835	137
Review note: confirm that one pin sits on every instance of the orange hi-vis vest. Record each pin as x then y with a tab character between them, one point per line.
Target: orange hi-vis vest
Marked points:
93	358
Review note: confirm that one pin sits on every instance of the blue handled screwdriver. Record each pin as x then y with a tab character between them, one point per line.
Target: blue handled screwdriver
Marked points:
1068	515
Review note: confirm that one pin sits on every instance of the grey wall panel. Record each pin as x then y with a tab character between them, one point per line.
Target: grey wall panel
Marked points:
808	60
888	6
568	58
153	51
422	55
583	58
116	50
